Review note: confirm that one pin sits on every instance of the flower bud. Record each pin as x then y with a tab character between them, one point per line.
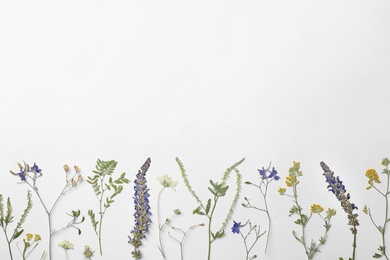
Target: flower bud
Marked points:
79	178
66	168
76	169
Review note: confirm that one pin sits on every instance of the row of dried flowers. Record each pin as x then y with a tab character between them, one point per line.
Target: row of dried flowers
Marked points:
106	188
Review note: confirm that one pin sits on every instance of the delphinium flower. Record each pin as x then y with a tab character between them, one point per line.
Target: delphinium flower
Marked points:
6	218
266	177
142	210
236	229
105	189
184	235
30	242
166	182
88	253
292	181
373	180
218	190
30	175
337	188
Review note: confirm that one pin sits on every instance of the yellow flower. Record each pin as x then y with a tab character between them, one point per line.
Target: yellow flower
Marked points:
330	213
281	190
29	236
37	237
372	176
291	179
316	208
365	209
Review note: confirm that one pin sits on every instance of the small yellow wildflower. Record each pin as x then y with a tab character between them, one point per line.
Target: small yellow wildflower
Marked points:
282	191
372	176
330	213
37	237
316	208
29	236
385	162
291	179
365	209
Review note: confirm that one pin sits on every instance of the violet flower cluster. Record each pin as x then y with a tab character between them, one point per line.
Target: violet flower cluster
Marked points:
337	187
142	210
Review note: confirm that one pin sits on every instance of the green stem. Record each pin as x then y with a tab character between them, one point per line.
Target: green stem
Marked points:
101	213
386	217
209	227
268	216
302	220
160	227
354	232
9	244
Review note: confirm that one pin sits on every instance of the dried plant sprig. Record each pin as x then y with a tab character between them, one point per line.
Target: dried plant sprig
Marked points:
292	180
218	190
142	210
6	218
338	189
373	179
266	177
30	242
105	189
184	235
30	175
88	253
237	229
166	182
66	245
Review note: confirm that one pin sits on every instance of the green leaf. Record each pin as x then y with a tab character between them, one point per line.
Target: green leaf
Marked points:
208	206
17	234
377	255
212	191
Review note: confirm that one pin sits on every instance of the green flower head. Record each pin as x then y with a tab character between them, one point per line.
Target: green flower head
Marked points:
167	181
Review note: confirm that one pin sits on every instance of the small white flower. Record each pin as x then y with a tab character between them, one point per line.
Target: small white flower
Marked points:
66	245
167	181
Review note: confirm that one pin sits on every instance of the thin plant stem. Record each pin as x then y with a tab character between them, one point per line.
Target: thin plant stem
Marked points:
49	212
9	245
209	227
181	242
160	227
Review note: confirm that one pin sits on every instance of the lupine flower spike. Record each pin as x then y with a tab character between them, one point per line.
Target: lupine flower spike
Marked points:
292	180
142	210
335	185
373	180
266	177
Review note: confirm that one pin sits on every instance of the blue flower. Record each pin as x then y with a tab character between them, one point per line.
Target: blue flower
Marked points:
22	175
35	168
236	227
263	174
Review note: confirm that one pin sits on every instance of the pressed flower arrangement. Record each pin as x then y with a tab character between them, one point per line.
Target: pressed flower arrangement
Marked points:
106	188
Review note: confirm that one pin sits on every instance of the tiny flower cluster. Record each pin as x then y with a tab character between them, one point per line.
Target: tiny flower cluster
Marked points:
142	210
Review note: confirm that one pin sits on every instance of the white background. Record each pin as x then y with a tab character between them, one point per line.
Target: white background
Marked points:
210	82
